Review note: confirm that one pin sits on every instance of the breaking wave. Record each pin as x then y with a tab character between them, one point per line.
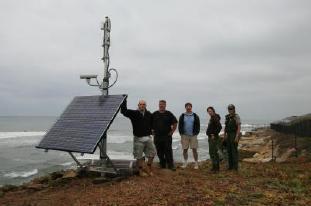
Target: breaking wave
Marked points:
7	135
23	174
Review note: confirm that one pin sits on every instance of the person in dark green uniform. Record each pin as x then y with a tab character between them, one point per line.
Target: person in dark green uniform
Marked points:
213	129
232	137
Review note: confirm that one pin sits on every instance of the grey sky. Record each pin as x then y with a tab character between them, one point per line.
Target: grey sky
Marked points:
255	54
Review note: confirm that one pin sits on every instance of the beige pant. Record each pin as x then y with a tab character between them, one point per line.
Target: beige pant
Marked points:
187	140
143	145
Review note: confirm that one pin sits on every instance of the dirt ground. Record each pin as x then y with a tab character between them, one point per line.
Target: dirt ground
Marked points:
255	184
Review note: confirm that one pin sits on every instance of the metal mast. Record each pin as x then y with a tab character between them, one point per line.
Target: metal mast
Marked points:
106	44
104	87
105	84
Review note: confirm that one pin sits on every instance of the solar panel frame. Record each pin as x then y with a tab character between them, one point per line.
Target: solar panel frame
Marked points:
95	113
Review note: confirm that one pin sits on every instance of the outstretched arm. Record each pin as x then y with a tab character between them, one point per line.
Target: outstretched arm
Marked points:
126	112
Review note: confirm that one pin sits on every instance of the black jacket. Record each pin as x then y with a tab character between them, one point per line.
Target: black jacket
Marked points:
196	124
141	123
214	125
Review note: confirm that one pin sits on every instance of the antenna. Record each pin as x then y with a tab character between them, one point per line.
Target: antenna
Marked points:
104	86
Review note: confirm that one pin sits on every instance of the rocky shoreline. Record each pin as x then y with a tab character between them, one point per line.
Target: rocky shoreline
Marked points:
259	181
268	145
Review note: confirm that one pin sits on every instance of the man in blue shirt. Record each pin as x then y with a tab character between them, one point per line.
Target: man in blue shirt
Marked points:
189	128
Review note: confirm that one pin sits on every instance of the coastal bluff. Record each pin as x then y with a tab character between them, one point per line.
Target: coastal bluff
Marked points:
286	138
267	145
297	125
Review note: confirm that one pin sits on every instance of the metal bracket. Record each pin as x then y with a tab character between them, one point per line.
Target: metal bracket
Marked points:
75	159
105	160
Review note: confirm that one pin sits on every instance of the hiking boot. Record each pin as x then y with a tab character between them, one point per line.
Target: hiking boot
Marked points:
148	170
215	168
173	168
162	165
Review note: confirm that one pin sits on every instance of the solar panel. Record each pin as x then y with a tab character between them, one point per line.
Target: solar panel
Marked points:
83	124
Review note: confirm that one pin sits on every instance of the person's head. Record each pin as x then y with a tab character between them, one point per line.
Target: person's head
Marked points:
142	105
162	105
188	107
211	111
231	109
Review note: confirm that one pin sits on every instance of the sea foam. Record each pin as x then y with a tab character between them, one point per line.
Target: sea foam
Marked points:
6	135
23	174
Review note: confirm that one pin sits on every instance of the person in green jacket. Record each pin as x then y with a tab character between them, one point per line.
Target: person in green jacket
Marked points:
232	137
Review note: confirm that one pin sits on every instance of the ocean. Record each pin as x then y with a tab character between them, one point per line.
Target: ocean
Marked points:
20	161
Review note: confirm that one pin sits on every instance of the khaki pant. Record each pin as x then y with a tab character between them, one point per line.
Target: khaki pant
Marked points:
187	140
143	147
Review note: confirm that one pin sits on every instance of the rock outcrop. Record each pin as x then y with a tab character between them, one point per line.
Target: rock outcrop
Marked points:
266	145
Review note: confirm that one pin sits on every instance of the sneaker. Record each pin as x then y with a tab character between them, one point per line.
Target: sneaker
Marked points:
196	166
184	165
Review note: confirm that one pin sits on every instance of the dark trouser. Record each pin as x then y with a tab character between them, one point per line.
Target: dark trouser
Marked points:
223	150
232	149
213	151
164	151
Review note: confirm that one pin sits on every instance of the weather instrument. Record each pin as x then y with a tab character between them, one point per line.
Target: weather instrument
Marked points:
83	126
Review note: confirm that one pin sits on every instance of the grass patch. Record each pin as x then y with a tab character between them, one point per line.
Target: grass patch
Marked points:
292	185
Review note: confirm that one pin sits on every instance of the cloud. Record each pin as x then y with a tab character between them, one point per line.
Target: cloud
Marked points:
255	54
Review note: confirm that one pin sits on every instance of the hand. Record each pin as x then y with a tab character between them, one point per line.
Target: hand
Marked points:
213	136
237	139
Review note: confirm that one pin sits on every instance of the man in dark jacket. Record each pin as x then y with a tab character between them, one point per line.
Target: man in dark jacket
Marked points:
164	124
189	128
213	129
141	121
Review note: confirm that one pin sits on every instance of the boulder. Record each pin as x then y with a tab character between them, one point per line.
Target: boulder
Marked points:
70	174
